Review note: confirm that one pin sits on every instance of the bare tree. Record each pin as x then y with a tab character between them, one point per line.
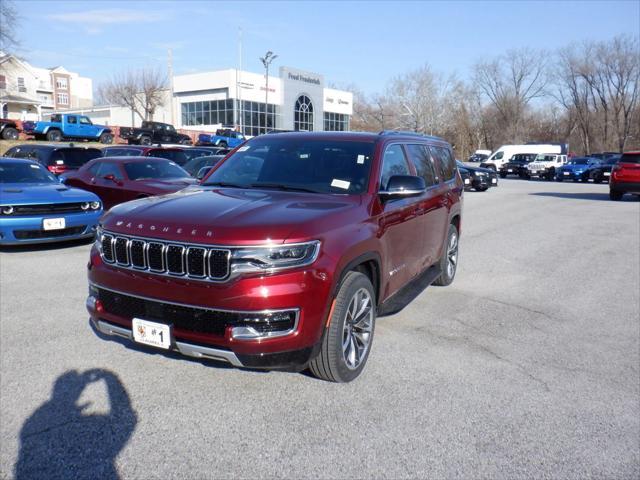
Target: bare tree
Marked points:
511	82
9	20
142	91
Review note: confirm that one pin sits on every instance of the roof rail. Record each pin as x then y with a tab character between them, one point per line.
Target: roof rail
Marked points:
410	134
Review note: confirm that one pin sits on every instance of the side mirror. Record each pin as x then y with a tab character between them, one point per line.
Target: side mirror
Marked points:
110	177
401	186
203	172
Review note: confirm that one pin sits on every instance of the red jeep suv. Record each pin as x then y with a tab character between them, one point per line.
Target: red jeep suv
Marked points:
625	176
285	253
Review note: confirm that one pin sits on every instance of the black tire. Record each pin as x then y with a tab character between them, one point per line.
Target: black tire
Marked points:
597	180
10	133
54	135
185	141
330	364
481	189
559	179
106	138
503	175
551	175
615	195
449	257
223	144
145	140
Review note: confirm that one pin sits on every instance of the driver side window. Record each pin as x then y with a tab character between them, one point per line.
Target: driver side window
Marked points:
393	163
107	168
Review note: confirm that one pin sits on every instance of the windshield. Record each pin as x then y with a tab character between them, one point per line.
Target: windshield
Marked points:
545	158
154	168
317	164
195	153
194	165
177	156
522	157
630	158
579	161
74	157
22	172
497	156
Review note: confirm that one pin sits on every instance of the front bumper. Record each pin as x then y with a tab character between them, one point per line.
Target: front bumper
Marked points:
571	175
484	182
21	230
307	291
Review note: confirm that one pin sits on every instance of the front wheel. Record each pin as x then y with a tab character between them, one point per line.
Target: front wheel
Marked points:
615	195
106	138
10	133
223	145
481	189
185	141
54	135
145	140
449	260
503	175
347	341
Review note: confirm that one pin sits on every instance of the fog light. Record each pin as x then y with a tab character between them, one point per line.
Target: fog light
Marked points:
8	210
265	325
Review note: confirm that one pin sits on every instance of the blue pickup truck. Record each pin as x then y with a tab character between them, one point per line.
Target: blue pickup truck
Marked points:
68	127
223	138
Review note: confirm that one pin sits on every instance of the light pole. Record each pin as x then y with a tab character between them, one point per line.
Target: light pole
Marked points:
266	61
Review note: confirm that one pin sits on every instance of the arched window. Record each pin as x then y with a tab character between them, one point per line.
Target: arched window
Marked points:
303	114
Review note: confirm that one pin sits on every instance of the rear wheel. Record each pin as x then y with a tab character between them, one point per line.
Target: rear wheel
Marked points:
481	189
145	140
10	133
223	144
54	135
347	341
449	260
503	175
185	141
615	195
106	138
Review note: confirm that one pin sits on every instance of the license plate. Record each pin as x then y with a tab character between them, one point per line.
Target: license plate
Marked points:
53	223
466	181
607	174
151	333
509	170
494	180
566	173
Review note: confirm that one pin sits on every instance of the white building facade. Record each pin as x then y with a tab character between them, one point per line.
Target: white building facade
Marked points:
294	100
28	92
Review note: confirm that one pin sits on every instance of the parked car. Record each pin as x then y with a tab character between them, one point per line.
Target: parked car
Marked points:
120	179
545	166
223	138
198	167
180	155
481	178
57	159
466	178
68	126
625	176
211	150
9	129
517	165
36	208
479	155
503	154
604	155
153	133
601	173
285	254
577	169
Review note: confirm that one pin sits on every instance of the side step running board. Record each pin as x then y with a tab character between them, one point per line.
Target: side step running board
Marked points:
409	292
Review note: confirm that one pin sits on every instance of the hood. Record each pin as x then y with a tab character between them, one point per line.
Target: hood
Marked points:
574	168
38	193
228	216
169	185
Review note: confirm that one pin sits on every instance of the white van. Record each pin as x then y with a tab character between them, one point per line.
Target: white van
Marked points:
505	152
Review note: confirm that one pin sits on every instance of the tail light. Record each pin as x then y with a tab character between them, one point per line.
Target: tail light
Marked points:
57	169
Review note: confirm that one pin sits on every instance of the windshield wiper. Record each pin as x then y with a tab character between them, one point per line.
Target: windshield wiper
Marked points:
224	184
281	186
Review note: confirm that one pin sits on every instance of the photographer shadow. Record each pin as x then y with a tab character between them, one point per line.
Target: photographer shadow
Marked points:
61	440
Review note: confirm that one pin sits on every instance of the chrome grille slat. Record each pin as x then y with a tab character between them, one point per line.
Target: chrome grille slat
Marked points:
167	258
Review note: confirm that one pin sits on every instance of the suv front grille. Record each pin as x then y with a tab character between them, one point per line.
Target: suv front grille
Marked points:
193	261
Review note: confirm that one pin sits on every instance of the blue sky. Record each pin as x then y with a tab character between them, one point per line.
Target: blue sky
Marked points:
364	43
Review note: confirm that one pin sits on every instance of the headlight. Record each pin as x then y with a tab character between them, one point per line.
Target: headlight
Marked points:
7	210
84	205
261	259
98	242
95	205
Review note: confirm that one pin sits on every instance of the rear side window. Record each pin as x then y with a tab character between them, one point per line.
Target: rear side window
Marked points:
393	163
121	152
446	162
630	158
419	156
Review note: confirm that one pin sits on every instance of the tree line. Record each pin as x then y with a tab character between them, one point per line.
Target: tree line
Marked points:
583	94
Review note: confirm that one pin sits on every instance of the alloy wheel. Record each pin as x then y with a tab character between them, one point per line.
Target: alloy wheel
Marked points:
452	255
357	329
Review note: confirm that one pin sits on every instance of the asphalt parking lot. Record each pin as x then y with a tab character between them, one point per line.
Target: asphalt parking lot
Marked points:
527	366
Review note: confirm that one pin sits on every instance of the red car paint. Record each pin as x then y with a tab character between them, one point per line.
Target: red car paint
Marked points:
625	176
397	240
121	188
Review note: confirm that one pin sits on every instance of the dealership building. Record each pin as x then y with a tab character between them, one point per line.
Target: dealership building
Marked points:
295	100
